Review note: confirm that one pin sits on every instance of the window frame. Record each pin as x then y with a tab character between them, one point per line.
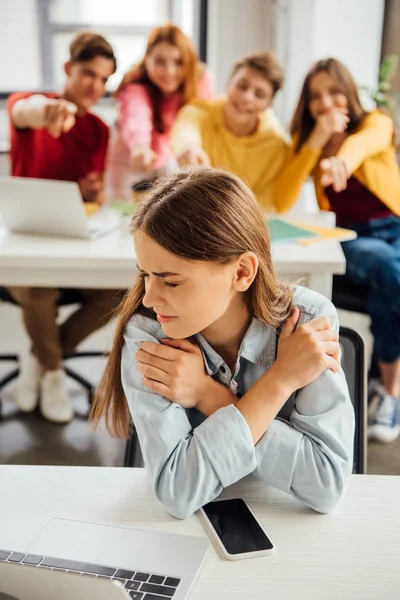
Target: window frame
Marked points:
47	29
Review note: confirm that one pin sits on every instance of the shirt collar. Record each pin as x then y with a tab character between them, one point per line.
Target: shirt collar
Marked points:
258	347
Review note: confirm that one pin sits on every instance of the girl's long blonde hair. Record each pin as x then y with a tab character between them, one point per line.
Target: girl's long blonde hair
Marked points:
193	69
201	214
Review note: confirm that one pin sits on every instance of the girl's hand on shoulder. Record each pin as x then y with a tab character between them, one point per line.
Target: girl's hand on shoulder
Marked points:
335	172
193	157
175	370
304	353
142	159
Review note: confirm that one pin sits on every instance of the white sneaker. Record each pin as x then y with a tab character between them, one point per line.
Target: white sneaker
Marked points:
27	386
385	427
54	401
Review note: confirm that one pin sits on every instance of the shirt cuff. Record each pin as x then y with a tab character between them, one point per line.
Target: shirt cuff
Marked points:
276	455
227	441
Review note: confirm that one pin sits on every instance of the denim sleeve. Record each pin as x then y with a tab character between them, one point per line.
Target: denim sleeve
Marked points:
311	456
188	467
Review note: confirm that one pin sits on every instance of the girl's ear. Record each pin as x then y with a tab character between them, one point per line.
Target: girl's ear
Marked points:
245	271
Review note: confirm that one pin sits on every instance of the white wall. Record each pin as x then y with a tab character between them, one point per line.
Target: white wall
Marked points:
235	28
350	30
20	53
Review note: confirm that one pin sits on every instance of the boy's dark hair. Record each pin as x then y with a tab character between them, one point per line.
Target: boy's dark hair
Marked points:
88	45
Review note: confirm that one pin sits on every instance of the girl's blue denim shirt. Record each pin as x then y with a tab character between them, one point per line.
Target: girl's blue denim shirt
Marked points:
307	450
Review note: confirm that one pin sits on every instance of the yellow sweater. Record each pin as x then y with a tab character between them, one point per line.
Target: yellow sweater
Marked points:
370	154
257	158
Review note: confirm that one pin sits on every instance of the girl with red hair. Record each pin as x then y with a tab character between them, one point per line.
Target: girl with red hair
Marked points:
149	97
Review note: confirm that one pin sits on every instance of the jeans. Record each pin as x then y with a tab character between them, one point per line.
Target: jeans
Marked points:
373	259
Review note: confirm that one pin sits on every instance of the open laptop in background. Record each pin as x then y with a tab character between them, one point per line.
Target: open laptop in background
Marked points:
146	564
47	207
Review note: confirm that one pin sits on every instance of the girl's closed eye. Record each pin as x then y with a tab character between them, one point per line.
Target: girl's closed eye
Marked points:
170	285
143	275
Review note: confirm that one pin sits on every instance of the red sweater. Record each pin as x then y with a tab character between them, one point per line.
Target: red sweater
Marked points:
355	204
35	153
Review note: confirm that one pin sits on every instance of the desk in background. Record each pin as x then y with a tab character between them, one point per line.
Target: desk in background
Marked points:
351	554
110	262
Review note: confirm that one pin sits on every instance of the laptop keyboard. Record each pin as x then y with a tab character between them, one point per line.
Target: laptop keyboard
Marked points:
139	585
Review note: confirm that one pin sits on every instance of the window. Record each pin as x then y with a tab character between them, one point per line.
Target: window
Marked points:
37	34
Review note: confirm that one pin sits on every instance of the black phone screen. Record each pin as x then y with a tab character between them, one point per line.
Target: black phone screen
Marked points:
236	527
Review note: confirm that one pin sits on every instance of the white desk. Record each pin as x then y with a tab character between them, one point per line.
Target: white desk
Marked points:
350	554
110	262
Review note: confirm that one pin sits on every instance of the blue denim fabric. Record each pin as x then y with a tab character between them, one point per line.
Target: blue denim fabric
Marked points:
373	259
306	451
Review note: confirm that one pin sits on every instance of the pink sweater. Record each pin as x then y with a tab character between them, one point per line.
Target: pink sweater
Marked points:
135	128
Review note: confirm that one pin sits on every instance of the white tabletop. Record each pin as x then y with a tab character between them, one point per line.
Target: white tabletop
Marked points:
110	262
353	553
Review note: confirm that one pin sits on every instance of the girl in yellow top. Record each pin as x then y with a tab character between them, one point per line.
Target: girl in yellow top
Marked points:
351	157
239	132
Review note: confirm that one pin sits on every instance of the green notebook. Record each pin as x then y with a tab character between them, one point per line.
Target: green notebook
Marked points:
125	209
282	231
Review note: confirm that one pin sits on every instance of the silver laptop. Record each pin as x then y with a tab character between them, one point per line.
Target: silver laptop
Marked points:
48	207
81	560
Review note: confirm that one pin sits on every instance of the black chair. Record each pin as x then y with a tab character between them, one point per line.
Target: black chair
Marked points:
349	296
354	367
133	454
68	297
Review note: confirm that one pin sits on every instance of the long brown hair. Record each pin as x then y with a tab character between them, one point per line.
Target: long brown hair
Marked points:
303	123
193	69
201	214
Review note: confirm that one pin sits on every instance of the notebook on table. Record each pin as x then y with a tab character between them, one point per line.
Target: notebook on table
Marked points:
326	234
306	234
283	231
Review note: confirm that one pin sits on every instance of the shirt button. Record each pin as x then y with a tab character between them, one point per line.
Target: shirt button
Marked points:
222	369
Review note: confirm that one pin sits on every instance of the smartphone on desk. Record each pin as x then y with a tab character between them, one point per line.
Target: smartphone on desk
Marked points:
235	530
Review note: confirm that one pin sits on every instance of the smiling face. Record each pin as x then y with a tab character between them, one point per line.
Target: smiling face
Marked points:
86	81
248	94
325	94
165	68
188	296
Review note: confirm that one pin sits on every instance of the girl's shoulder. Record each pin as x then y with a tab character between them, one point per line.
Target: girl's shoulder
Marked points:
312	304
376	117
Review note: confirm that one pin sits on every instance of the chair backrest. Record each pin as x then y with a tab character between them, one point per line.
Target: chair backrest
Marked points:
355	369
133	453
349	296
